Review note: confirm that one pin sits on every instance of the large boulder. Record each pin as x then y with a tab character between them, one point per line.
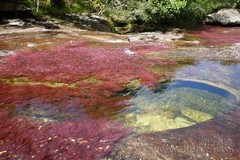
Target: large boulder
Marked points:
90	22
226	17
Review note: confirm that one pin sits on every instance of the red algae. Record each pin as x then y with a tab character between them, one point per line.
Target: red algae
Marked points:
97	74
74	62
22	139
61	101
40	122
96	101
108	69
142	48
43	118
213	35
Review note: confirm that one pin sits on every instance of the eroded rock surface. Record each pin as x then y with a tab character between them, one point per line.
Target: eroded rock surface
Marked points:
227	17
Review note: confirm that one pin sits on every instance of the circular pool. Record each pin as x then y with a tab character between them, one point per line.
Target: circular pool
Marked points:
176	104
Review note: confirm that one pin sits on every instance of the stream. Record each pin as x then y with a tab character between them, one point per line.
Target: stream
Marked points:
76	94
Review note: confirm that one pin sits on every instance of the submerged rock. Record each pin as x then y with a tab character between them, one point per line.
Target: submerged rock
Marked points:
195	115
225	17
153	122
151	111
214	139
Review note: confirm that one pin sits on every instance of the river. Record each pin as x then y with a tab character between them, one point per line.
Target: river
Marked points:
76	94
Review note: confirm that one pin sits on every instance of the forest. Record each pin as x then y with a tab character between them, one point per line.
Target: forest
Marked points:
178	13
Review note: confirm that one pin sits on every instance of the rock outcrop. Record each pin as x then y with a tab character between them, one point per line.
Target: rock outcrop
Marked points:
226	17
90	22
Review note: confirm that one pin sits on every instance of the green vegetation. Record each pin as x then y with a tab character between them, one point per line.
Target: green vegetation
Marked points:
142	14
181	13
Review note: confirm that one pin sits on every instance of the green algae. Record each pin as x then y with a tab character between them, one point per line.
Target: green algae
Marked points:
26	81
135	83
90	79
162	68
189	38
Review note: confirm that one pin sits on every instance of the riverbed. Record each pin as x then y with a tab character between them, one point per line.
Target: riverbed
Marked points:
75	94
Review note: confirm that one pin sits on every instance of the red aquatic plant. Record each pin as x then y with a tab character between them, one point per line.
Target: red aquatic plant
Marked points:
143	48
22	139
73	120
96	73
70	63
213	35
96	102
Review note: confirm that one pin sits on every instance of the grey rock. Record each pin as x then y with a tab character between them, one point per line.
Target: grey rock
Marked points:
226	17
90	22
16	22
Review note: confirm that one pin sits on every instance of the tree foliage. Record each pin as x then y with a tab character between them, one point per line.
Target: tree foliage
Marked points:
169	12
173	12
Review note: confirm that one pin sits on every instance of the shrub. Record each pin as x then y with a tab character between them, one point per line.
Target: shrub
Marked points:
181	13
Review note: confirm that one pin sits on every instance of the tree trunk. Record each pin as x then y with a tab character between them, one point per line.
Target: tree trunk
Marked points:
37	5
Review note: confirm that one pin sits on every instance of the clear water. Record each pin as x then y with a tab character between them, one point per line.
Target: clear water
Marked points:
193	96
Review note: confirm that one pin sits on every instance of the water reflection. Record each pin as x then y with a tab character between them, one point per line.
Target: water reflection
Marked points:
215	72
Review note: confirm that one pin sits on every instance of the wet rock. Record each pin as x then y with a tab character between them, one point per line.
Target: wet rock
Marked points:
151	122
155	36
226	53
90	22
225	17
195	115
47	25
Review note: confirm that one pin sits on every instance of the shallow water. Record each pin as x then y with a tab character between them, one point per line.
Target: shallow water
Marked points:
76	95
192	96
